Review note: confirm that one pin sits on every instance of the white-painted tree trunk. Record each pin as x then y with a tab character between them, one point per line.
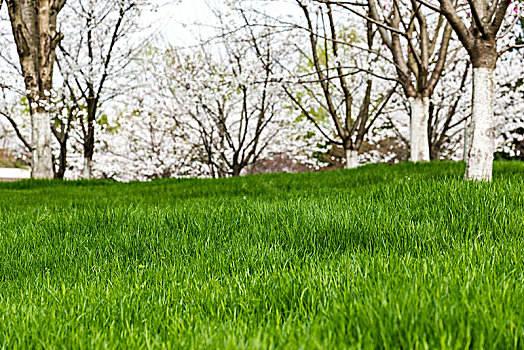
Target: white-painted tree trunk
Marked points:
42	159
467	141
479	164
351	159
88	169
419	129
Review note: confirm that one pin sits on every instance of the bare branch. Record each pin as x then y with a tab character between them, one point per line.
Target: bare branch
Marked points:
511	47
17	131
499	15
309	117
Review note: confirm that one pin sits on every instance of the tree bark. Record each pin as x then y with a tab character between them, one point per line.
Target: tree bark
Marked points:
33	25
236	170
62	161
419	129
89	142
480	41
88	168
479	163
42	158
351	159
467	141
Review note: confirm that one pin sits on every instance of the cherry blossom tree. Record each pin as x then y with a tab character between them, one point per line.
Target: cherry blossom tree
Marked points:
147	139
418	45
232	111
328	83
480	26
34	27
92	59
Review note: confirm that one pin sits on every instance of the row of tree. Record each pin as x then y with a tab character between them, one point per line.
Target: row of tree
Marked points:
330	80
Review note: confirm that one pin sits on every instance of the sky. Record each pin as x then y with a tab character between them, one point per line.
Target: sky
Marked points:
178	22
175	22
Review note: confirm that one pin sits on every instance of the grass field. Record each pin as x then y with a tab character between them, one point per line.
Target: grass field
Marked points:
383	256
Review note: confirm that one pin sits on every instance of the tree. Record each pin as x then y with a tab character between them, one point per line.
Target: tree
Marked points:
233	112
64	114
147	139
445	119
480	41
91	60
7	113
509	119
35	33
224	93
338	95
419	60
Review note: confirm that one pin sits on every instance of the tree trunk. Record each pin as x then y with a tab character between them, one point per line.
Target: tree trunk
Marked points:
435	153
237	169
467	141
87	172
479	164
351	159
89	142
419	129
62	161
34	30
42	159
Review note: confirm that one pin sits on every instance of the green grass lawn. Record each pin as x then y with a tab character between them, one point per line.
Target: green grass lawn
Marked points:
404	256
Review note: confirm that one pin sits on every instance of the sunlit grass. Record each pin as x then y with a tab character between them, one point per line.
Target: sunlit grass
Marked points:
405	256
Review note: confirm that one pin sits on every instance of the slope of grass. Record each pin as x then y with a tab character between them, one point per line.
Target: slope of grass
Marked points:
404	256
